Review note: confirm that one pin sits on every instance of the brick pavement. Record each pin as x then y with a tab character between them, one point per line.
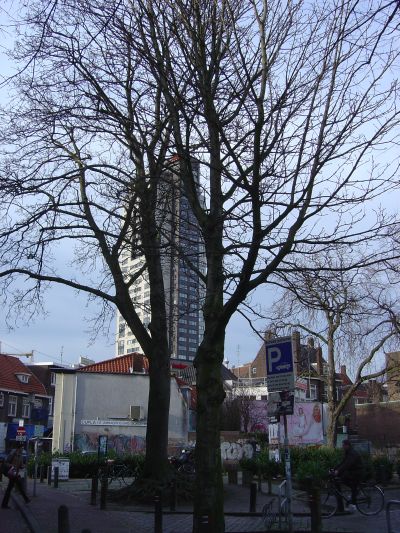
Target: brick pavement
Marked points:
42	513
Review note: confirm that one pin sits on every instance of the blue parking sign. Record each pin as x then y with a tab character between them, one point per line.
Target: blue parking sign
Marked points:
280	368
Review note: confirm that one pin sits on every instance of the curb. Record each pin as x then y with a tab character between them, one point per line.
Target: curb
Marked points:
27	515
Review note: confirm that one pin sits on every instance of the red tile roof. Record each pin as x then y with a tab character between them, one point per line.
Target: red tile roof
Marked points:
126	364
9	367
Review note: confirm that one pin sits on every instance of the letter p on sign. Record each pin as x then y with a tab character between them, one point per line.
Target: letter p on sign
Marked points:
273	356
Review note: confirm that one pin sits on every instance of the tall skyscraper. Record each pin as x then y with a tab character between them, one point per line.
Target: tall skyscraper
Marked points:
182	254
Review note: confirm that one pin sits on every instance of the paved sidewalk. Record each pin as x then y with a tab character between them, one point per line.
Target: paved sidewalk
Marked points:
42	512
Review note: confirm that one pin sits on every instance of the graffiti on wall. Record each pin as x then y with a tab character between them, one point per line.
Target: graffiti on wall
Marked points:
234	451
119	443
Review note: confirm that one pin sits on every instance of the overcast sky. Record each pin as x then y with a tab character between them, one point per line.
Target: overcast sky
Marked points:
64	333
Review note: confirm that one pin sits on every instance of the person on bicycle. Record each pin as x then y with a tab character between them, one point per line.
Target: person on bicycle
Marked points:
350	471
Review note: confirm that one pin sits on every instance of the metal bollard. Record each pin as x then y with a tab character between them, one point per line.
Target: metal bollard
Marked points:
103	492
49	475
41	473
63	519
56	473
204	524
94	488
158	513
253	497
315	509
172	495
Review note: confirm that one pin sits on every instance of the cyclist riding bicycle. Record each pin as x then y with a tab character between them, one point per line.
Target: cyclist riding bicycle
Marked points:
350	471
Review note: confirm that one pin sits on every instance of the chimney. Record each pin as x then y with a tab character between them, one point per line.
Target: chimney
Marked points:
343	370
310	342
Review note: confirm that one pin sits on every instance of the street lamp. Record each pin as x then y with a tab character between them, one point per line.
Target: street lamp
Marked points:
31	402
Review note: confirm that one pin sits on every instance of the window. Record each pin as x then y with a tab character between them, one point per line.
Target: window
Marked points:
23	378
51	406
53	378
12	405
26	408
1	399
254	370
311	393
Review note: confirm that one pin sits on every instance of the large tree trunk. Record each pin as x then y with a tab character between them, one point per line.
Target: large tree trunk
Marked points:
156	461
210	396
331	430
331	379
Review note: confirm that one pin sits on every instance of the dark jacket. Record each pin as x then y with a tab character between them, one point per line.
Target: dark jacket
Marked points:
352	464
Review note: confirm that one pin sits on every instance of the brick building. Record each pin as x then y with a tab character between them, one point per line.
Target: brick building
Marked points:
22	397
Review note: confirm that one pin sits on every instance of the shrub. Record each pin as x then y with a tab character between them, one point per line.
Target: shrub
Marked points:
85	465
382	468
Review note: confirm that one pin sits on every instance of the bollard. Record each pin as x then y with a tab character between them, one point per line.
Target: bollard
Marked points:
56	472
93	491
315	508
63	519
204	524
49	475
172	496
253	497
41	473
158	513
103	491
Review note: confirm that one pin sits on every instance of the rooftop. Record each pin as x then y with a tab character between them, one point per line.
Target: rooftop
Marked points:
10	367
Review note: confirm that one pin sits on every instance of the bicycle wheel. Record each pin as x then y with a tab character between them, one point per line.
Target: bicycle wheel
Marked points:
128	476
370	500
328	503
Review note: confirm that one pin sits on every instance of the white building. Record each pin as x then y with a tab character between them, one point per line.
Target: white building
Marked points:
110	398
182	244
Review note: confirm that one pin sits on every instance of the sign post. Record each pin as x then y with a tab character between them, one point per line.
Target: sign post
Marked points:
280	378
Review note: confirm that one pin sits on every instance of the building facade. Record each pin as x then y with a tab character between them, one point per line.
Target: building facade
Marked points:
110	398
182	255
23	400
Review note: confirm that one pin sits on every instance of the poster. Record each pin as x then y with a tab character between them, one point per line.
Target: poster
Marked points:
305	426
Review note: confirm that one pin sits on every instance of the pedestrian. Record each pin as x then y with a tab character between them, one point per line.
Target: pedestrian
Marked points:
13	464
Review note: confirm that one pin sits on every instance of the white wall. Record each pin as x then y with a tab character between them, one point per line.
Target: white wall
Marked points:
107	397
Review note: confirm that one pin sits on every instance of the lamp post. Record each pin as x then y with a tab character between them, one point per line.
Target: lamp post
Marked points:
31	401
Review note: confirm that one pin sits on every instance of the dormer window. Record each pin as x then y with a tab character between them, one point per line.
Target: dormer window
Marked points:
23	378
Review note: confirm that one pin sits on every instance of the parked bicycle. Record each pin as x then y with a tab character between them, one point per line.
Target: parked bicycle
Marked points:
184	462
370	498
118	474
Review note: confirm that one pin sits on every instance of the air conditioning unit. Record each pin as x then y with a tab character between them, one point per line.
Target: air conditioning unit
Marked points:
136	412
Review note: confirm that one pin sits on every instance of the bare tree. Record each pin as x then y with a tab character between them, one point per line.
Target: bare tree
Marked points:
350	311
284	104
83	161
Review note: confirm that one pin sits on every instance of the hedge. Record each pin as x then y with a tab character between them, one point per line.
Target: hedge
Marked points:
85	465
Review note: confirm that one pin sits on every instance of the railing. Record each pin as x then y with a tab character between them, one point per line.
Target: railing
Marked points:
251	382
390	504
282	503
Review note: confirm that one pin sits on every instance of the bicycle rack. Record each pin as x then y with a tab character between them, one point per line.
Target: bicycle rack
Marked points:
389	505
282	502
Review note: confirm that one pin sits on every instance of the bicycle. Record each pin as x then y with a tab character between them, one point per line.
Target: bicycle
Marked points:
117	474
370	498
